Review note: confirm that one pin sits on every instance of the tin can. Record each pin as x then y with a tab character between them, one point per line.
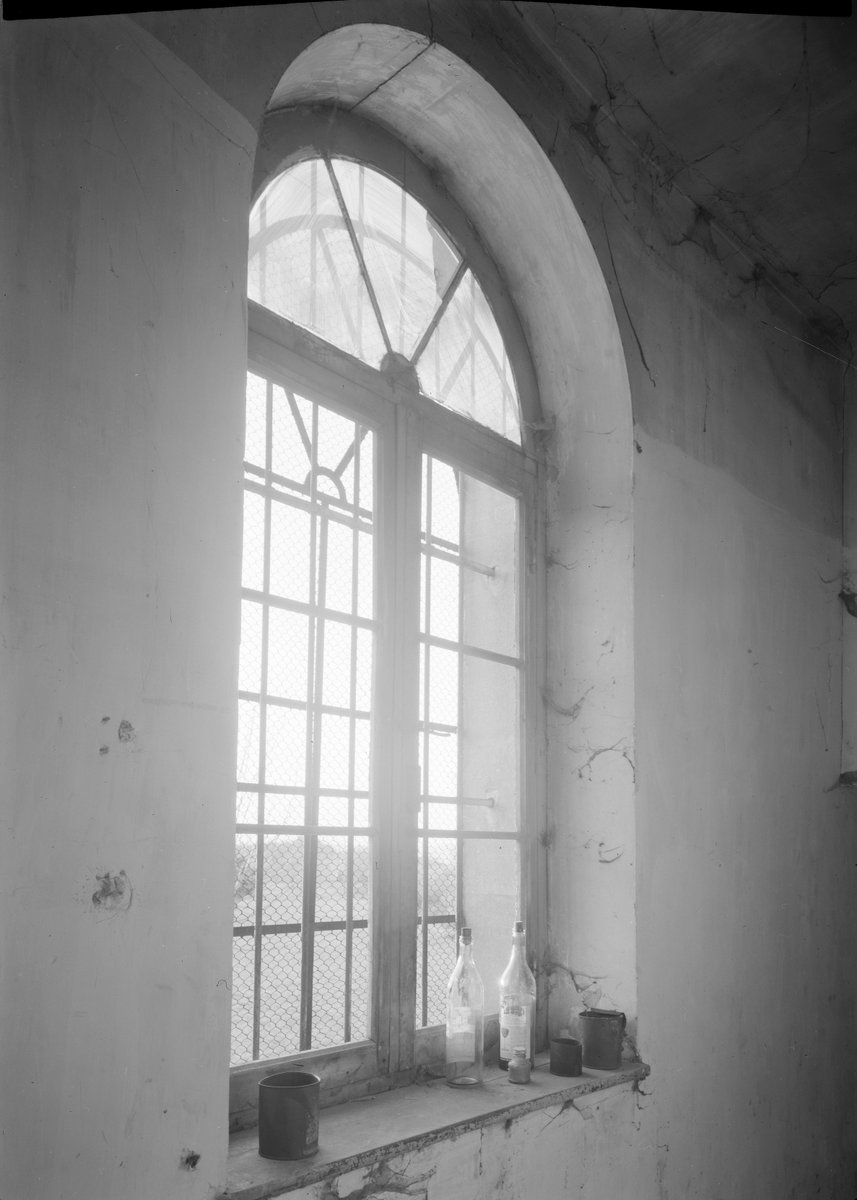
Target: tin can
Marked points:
601	1032
288	1115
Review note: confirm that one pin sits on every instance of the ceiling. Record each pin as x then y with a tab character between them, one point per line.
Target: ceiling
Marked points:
753	118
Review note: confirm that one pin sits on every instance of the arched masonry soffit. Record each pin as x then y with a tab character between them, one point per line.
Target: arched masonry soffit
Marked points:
462	128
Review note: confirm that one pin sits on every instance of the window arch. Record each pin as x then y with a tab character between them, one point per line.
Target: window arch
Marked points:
344	250
390	657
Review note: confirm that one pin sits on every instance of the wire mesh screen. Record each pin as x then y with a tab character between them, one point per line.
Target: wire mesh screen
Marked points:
470	722
301	956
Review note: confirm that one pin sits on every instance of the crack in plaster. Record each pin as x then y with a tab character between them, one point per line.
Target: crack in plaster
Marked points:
574	711
650	22
593	754
741	243
389	78
624	301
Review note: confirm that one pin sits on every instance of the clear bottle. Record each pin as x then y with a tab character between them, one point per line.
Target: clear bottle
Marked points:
464	1019
517	1001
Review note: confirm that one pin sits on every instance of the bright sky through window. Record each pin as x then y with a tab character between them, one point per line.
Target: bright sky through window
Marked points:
345	252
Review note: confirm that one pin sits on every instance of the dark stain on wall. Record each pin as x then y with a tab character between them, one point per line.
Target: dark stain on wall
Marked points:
114	892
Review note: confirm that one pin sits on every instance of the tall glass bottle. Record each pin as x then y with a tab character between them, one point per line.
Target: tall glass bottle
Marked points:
517	1001
464	1019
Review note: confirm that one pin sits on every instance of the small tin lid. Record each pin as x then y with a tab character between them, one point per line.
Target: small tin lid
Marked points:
603	1013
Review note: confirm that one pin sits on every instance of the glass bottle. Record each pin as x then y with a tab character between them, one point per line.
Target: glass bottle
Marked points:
519	1066
517	1001
464	1019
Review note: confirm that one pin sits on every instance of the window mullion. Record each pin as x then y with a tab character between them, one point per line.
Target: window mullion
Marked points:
397	738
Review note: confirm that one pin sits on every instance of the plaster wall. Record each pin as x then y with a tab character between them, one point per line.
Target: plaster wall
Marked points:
123	337
121	446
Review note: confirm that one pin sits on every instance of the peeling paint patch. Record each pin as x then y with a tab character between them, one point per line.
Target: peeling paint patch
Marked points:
126	732
189	1160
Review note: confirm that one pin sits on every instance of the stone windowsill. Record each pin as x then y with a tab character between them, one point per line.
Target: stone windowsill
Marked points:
357	1133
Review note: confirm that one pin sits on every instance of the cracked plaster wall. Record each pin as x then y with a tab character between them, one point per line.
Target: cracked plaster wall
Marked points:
588	1148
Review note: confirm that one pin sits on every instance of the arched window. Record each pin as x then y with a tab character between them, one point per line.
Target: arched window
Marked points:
389	673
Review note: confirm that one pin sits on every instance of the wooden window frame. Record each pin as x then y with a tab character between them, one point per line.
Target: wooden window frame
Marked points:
408	425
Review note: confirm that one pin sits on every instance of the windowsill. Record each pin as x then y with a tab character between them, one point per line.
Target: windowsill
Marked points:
356	1133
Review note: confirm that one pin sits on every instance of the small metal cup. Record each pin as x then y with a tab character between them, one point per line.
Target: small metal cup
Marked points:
288	1115
566	1056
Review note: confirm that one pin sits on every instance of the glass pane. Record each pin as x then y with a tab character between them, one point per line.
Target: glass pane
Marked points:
443	686
329	993
282	895
489	737
491	875
253	568
333	810
302	263
331	883
291	440
362	874
433	971
339	581
443	618
243	988
285	746
248	741
489	552
284	809
244	904
442	750
334	751
409	260
247	808
280	995
361	966
290	552
288	653
256	421
336	689
465	365
250	656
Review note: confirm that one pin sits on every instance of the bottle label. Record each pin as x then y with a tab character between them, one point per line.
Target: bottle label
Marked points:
460	1035
514	1025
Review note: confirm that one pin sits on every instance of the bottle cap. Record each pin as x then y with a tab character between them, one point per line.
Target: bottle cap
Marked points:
519	927
466	933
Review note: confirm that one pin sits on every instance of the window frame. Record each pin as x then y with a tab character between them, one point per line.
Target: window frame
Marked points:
409	425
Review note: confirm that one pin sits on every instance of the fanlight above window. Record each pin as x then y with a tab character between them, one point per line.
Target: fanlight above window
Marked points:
344	251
